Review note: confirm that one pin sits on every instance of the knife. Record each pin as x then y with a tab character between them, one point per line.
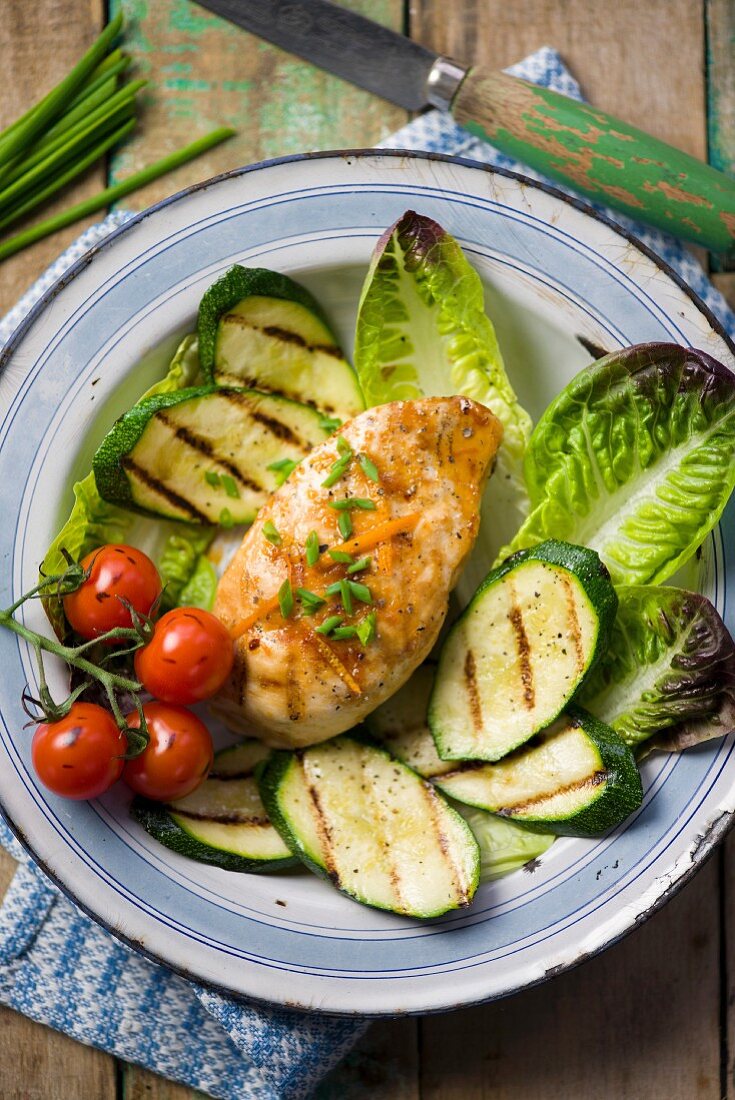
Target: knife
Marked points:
580	146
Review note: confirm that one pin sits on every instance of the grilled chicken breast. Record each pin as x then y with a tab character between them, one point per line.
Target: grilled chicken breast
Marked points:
319	647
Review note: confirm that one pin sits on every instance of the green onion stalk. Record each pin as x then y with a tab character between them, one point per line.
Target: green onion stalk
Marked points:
80	120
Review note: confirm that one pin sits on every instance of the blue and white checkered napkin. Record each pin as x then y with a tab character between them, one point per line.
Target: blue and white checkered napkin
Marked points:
60	968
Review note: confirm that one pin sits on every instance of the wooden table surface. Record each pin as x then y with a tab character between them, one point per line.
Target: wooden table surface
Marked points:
653	1017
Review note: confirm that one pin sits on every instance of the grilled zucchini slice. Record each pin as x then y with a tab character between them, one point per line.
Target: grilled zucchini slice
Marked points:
201	455
579	779
262	330
521	650
372	826
222	822
400	725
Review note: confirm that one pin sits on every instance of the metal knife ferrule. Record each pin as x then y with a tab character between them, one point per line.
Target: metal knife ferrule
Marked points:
445	77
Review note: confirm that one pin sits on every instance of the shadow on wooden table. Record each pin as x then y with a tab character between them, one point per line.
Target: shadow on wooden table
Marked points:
641	1020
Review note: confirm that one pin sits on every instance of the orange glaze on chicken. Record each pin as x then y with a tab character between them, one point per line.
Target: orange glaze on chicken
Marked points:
293	685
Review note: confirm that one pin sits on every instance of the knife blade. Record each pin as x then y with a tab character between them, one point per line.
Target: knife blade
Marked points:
584	148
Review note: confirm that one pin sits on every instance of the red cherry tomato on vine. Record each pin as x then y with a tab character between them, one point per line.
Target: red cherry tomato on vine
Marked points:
188	658
177	758
80	755
115	571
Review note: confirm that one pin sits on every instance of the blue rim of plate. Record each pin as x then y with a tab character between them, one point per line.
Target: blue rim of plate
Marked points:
718	828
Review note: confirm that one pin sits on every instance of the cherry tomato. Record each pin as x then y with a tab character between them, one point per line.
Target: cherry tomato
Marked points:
79	756
116	571
188	658
177	758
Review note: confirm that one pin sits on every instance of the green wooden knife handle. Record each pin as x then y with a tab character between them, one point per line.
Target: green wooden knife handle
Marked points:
604	158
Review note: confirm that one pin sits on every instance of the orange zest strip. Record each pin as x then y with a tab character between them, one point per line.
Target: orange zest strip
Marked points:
242	625
380	533
334	662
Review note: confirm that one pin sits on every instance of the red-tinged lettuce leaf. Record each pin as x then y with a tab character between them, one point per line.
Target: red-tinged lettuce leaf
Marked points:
422	330
636	459
668	676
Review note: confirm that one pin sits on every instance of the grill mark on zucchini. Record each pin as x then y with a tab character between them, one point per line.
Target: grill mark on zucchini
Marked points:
131	466
393	873
225	378
275	427
575	629
470	677
287	336
524	650
593	780
322	826
432	800
204	447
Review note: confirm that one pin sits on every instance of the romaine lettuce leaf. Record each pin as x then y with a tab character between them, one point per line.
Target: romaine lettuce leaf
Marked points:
201	586
636	459
504	846
176	548
422	330
670	666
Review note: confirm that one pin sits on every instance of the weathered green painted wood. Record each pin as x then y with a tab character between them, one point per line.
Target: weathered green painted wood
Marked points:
600	156
205	72
720	15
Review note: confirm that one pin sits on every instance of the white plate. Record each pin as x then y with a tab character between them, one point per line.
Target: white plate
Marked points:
556	276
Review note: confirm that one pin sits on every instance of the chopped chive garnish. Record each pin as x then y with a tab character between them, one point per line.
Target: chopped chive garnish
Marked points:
343	632
345	525
270	531
361	592
110	195
358	566
329	625
329	423
343	447
282	469
341	555
369	468
230	486
335	473
347	504
342	589
366	628
212	478
312	548
285	598
309	600
225	518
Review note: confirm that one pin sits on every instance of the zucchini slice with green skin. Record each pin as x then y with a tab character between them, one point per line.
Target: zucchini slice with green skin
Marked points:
262	330
399	724
372	826
521	650
201	455
222	822
579	780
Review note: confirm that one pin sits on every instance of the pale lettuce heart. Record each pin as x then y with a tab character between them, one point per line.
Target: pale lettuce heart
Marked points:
422	330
